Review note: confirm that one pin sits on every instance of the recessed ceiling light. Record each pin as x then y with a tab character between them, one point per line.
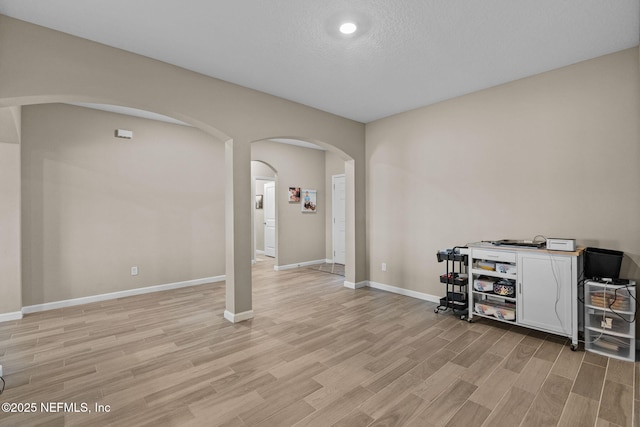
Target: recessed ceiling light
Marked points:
348	28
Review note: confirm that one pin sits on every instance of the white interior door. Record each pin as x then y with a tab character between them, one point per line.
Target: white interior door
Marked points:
269	205
339	219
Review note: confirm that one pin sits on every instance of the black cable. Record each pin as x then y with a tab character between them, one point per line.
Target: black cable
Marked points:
3	385
629	296
539	235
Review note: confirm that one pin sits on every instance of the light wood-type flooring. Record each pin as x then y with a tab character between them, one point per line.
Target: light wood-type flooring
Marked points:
316	354
329	268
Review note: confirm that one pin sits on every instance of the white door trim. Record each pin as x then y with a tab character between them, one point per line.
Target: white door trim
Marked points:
267	208
334	213
253	212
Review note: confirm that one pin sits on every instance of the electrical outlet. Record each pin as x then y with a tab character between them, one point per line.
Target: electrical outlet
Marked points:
384	266
1	371
134	270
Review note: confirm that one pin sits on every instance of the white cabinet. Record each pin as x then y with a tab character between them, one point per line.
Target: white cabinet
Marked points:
535	288
545	297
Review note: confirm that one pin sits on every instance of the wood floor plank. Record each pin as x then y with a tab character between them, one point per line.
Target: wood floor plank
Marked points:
589	381
389	375
568	363
491	391
534	374
428	349
473	352
289	415
290	392
512	409
390	395
356	418
620	371
549	403
579	411
596	359
617	403
463	341
549	350
225	410
469	415
505	345
385	359
534	338
441	409
336	410
400	412
433	364
519	357
481	369
434	385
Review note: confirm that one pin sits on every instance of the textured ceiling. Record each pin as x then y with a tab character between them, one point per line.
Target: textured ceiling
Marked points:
406	54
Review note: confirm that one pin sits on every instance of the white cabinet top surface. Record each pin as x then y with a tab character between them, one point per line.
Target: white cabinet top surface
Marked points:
514	248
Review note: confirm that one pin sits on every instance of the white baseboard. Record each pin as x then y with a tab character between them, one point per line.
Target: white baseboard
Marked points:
328	261
114	295
358	285
300	264
238	317
402	291
6	317
259	252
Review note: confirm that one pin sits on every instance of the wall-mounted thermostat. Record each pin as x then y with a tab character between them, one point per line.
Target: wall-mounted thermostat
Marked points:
123	133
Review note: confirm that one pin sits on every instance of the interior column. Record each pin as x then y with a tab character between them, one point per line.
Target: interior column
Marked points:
238	231
355	268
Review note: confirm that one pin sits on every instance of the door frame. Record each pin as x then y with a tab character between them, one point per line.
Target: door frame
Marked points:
333	211
253	212
270	223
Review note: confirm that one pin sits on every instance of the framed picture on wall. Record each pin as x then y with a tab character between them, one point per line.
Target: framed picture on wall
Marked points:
259	201
294	194
308	198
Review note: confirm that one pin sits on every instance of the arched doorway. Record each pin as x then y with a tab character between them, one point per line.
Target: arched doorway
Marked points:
105	216
265	210
304	238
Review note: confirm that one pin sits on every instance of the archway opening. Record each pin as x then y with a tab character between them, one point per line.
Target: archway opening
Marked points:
265	210
307	167
104	217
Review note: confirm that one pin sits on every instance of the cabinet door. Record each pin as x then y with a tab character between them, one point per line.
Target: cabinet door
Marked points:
544	292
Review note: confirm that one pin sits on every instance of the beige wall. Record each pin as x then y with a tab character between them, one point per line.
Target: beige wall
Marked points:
95	205
39	65
10	128
334	165
557	154
301	236
10	257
